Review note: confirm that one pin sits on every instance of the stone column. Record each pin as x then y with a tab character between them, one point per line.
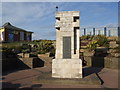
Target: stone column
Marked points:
67	63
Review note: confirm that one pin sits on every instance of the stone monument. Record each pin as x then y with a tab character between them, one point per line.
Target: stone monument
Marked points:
67	63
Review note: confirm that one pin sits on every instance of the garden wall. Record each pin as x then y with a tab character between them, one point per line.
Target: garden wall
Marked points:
101	56
106	62
21	63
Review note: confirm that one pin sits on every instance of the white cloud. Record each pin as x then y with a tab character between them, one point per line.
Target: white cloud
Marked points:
23	12
24	15
111	25
50	35
30	16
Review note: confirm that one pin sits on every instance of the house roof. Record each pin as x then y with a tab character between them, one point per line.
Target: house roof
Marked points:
11	27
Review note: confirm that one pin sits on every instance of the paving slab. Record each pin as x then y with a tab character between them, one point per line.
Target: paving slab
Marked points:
46	78
26	78
110	77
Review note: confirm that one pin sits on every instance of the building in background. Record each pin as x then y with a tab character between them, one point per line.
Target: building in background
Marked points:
10	33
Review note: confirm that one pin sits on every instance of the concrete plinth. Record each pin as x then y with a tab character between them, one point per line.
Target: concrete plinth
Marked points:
67	68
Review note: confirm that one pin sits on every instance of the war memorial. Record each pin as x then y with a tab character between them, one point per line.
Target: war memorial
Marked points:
67	63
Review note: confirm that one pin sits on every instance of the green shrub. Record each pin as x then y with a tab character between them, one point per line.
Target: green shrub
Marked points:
118	42
81	54
45	46
41	52
91	37
85	37
26	48
11	47
92	45
102	40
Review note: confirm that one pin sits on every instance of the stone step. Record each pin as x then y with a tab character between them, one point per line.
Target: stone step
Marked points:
46	78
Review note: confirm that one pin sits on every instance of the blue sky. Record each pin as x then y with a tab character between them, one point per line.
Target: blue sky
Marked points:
39	17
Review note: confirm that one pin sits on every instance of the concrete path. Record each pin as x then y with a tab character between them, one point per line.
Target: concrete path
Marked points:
110	78
25	79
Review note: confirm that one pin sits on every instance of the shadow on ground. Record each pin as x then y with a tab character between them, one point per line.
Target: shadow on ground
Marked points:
97	62
37	62
10	86
10	65
91	70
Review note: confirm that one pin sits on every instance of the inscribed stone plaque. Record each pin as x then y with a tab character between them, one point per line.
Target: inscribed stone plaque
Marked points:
66	47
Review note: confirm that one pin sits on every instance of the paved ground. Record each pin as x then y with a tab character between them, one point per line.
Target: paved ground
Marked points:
25	78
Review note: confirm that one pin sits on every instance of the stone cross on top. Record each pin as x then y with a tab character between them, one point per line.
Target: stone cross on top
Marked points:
67	63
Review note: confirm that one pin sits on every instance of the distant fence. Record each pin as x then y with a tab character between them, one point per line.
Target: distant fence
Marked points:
107	31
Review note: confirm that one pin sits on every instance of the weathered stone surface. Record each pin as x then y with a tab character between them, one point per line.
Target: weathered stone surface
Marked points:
106	62
115	54
27	61
44	55
20	55
67	68
114	38
88	61
111	62
89	53
111	51
66	25
113	44
26	55
67	63
84	50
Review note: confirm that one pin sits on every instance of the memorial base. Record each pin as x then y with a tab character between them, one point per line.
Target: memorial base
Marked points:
67	68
